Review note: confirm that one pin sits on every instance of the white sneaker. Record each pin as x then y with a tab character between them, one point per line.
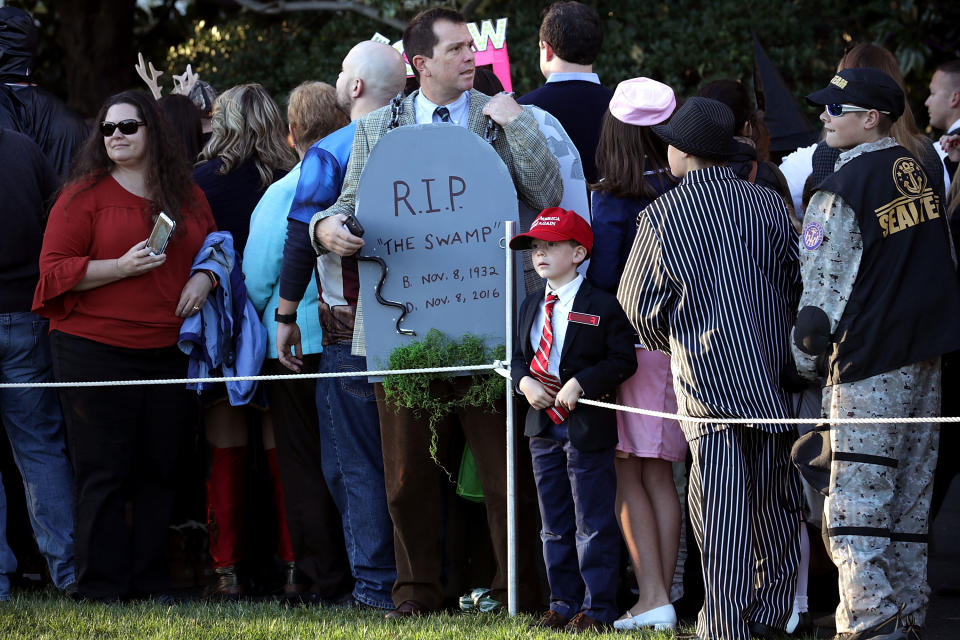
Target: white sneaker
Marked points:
660	618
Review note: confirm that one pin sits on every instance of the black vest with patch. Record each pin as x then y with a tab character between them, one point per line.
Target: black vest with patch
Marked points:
905	303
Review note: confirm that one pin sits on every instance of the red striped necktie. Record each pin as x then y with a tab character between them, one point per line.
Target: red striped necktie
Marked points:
538	366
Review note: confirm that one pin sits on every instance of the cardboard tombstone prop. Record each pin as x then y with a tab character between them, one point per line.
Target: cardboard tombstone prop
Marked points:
574	189
432	200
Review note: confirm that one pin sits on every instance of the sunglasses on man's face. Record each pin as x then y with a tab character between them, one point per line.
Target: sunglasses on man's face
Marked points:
127	127
837	110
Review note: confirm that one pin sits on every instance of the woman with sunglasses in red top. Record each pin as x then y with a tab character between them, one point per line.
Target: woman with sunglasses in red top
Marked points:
115	311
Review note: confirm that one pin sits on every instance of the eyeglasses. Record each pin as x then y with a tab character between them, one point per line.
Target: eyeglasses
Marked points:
127	127
837	110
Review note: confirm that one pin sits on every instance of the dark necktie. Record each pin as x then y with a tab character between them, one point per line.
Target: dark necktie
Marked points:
443	113
538	366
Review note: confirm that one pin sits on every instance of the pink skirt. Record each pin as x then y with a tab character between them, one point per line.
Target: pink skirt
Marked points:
651	387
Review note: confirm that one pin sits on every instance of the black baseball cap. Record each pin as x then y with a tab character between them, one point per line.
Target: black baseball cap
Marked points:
862	87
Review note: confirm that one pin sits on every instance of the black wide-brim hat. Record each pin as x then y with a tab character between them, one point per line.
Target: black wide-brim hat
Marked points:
701	127
862	87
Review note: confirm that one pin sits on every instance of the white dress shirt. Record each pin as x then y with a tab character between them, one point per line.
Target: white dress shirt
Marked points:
943	155
566	76
459	109
561	309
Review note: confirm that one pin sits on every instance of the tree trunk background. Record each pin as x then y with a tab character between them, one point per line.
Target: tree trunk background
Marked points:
97	41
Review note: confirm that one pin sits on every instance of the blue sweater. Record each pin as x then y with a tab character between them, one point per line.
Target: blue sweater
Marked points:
579	105
261	266
232	197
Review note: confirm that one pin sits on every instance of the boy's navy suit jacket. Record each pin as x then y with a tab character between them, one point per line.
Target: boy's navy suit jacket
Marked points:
599	356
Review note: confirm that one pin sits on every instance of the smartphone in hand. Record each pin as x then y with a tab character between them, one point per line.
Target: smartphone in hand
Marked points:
162	230
353	226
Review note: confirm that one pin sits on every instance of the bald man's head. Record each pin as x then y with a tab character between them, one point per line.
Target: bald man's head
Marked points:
373	71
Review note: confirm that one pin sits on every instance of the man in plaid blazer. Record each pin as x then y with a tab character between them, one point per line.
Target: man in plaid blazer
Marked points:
440	49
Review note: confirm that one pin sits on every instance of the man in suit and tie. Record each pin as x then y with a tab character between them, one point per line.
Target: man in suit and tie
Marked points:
440	50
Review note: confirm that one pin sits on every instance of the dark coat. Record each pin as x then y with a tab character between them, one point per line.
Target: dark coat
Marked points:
600	357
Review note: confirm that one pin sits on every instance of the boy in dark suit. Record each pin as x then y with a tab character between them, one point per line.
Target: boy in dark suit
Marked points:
573	340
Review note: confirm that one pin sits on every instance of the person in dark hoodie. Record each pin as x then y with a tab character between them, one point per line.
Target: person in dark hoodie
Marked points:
28	108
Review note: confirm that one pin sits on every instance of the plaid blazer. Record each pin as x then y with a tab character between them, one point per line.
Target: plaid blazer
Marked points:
521	146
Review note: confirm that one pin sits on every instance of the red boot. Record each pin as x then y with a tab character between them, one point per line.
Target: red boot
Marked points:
284	546
225	497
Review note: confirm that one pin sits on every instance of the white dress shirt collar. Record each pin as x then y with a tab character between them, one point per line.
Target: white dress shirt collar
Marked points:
567	292
566	76
459	109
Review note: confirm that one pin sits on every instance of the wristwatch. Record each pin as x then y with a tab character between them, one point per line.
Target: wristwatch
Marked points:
284	318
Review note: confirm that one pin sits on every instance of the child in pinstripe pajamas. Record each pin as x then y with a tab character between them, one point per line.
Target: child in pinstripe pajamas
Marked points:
712	279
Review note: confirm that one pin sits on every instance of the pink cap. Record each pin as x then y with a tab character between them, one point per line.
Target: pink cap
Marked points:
642	102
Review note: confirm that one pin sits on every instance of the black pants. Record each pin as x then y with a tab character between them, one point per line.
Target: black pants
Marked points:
123	443
316	530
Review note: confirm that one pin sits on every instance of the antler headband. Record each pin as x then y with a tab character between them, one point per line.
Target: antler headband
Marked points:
182	84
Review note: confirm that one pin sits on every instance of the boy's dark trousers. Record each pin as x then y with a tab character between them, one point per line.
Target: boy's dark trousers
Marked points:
581	541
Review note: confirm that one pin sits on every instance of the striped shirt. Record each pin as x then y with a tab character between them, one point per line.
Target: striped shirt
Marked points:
713	280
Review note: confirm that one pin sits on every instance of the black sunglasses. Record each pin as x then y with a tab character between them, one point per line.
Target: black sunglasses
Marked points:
127	127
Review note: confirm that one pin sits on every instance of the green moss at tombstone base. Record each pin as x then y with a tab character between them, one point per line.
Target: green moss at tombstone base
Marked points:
438	350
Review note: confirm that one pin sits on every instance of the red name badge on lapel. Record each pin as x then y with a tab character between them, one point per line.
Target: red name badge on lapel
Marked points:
583	318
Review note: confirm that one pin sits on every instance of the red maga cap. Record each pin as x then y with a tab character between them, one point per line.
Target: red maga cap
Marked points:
556	225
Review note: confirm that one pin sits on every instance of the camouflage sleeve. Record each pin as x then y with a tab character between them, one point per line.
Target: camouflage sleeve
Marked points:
830	251
535	170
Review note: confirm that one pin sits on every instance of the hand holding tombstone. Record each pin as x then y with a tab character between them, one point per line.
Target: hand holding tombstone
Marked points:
502	109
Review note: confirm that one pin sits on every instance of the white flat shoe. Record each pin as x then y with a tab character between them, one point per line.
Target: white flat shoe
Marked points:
660	618
793	622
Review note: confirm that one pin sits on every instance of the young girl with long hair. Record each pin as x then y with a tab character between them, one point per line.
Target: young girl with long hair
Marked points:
632	163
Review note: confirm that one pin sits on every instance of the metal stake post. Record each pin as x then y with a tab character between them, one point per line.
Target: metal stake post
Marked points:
511	454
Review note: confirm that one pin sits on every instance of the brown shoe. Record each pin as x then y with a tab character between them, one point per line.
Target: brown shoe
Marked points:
228	585
582	622
407	609
550	620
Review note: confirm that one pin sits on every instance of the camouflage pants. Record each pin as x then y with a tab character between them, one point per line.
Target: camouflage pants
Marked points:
880	487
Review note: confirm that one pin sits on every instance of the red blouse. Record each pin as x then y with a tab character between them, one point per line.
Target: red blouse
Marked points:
102	223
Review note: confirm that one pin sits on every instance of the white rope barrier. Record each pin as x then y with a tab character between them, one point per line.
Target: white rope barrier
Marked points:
290	376
495	367
673	416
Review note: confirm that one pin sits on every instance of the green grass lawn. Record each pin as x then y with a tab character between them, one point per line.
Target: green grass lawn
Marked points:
48	616
31	616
